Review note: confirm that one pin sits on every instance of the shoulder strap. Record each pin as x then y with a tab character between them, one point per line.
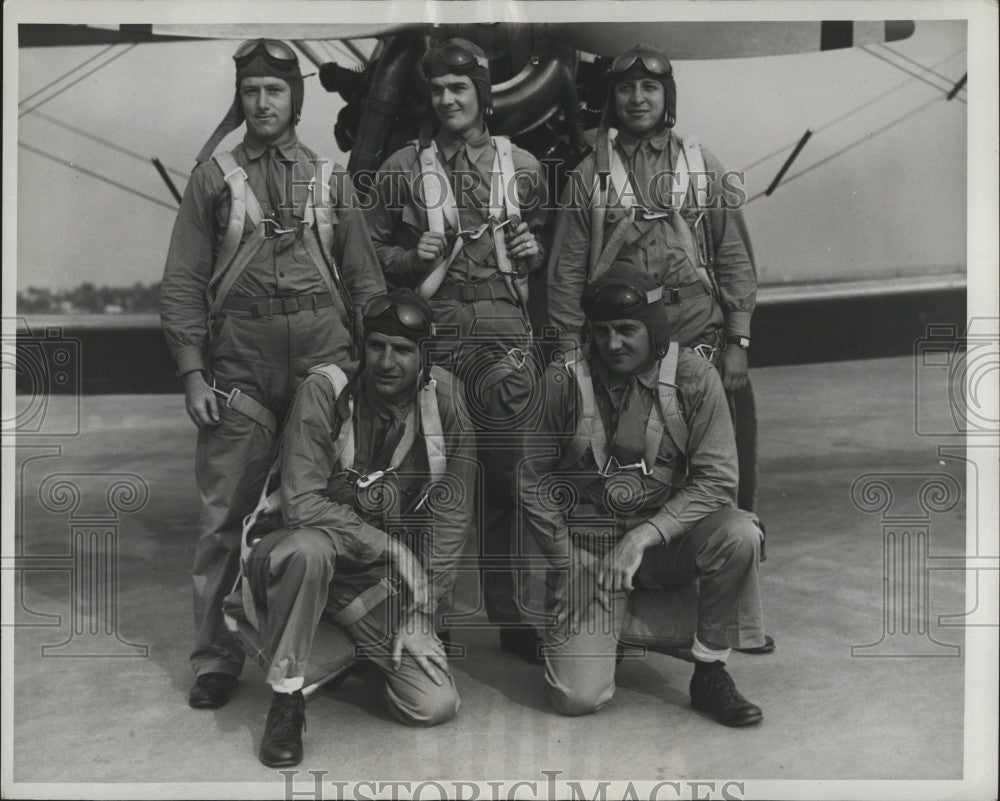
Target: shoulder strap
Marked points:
673	420
318	239
590	431
243	205
430	422
439	200
619	177
345	439
503	168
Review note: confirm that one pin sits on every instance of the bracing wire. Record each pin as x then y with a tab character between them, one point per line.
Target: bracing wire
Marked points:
74	83
52	83
96	175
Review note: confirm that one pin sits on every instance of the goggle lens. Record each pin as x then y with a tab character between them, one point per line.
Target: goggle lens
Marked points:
455	56
274	49
653	63
409	316
619	297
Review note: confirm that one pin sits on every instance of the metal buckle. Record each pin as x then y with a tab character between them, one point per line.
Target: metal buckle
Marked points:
275	231
520	357
234	392
705	351
617	467
365	481
643	214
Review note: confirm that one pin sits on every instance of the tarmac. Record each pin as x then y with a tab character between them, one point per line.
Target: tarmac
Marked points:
101	644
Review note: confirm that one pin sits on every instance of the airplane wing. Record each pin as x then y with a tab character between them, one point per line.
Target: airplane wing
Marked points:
701	40
32	35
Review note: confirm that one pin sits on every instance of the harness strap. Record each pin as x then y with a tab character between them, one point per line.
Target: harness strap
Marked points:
318	239
239	401
364	603
430	420
243	204
666	417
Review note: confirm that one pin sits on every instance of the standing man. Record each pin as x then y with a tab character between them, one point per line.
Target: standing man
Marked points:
265	272
640	494
461	218
678	229
363	464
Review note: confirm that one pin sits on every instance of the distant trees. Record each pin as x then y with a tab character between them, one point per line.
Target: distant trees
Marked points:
87	298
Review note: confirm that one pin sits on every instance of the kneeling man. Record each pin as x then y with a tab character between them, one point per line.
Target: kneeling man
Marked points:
639	493
365	464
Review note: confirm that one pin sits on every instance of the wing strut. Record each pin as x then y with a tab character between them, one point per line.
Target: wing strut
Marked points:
788	162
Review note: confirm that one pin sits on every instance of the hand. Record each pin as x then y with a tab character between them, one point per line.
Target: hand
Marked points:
199	400
734	368
412	573
431	246
416	637
620	564
521	243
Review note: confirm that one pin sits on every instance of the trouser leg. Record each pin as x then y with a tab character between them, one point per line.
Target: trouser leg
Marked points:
408	693
289	573
580	656
232	460
722	551
744	409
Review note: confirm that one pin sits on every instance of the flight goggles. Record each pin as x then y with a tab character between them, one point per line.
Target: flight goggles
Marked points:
410	317
454	55
619	298
274	51
654	63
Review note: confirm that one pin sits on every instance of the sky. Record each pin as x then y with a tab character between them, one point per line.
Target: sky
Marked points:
893	204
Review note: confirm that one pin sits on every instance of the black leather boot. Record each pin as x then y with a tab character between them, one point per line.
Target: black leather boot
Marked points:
713	690
281	746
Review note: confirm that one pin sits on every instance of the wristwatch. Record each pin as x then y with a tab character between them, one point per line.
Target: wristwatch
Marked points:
742	342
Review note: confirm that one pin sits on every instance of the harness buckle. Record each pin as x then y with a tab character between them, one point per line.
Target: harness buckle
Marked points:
365	481
642	214
613	467
229	396
274	230
520	357
706	351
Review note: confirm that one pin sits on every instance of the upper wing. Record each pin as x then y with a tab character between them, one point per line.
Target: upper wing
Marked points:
705	40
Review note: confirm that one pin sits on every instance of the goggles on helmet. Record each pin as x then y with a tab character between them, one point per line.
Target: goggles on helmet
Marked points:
619	298
654	63
408	316
454	55
274	51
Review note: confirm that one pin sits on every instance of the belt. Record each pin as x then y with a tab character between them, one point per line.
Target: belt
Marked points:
675	294
467	293
267	307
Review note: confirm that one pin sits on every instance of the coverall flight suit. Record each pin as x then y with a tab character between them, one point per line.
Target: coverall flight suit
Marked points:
689	498
278	321
331	551
474	300
694	315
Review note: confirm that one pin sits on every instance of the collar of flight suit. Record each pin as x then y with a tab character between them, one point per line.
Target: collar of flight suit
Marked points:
479	144
287	145
648	377
659	141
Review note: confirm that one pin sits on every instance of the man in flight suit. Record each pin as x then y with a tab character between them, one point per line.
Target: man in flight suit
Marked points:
640	428
385	451
470	254
700	254
249	302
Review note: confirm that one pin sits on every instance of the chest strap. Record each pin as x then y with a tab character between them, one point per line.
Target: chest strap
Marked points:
664	416
439	200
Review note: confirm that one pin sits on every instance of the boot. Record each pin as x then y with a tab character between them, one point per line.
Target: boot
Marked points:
524	643
281	746
713	690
